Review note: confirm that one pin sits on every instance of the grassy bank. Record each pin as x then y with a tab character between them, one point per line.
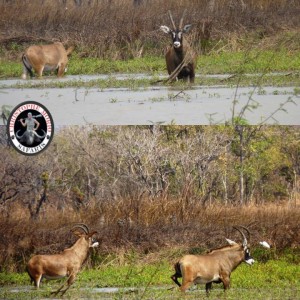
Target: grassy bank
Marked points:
275	279
215	63
264	67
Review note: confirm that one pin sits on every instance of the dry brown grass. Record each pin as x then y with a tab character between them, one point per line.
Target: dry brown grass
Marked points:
148	190
146	227
118	29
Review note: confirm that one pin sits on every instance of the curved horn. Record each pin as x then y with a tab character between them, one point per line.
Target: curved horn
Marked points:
83	227
40	136
181	20
243	235
248	231
19	137
172	21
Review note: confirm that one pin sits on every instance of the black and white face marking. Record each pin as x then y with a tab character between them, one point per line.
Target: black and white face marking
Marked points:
248	258
176	34
177	38
93	243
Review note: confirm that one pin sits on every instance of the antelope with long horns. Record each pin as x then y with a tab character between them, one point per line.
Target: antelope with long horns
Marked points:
214	267
180	57
65	264
42	58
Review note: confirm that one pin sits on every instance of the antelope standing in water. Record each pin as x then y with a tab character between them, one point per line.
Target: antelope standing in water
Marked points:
45	58
180	57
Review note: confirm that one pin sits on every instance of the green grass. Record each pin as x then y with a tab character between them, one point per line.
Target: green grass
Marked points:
149	65
250	62
239	64
215	63
274	279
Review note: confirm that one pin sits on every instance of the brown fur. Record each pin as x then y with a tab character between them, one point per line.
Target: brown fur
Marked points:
65	264
174	58
180	57
223	248
45	57
215	266
209	268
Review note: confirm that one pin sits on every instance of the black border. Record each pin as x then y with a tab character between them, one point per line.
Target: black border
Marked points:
8	132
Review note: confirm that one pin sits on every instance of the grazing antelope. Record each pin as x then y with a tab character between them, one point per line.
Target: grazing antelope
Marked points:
65	264
180	58
216	266
45	58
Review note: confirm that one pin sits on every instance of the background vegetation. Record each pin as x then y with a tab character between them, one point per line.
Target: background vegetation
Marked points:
155	193
120	29
151	188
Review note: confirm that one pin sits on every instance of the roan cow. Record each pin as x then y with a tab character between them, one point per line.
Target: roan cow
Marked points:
180	57
65	264
42	58
213	267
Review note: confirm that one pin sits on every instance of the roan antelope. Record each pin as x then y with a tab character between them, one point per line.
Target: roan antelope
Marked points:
216	266
65	264
45	58
180	57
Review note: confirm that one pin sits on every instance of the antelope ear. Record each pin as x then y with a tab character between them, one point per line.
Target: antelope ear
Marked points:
165	29
77	233
231	242
186	28
92	233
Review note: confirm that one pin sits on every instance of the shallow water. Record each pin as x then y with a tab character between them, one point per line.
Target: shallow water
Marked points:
164	105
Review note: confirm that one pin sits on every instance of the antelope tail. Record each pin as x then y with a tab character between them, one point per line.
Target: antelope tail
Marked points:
177	269
70	50
31	278
27	65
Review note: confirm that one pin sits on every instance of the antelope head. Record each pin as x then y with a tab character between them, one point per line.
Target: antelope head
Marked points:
88	236
247	257
177	32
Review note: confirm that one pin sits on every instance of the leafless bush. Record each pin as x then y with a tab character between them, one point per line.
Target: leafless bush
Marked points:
197	164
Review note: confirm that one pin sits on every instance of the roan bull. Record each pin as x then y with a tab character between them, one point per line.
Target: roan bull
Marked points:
45	58
65	264
216	266
30	136
180	57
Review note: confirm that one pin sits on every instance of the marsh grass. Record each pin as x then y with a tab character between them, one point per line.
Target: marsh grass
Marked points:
275	278
240	69
130	83
215	63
